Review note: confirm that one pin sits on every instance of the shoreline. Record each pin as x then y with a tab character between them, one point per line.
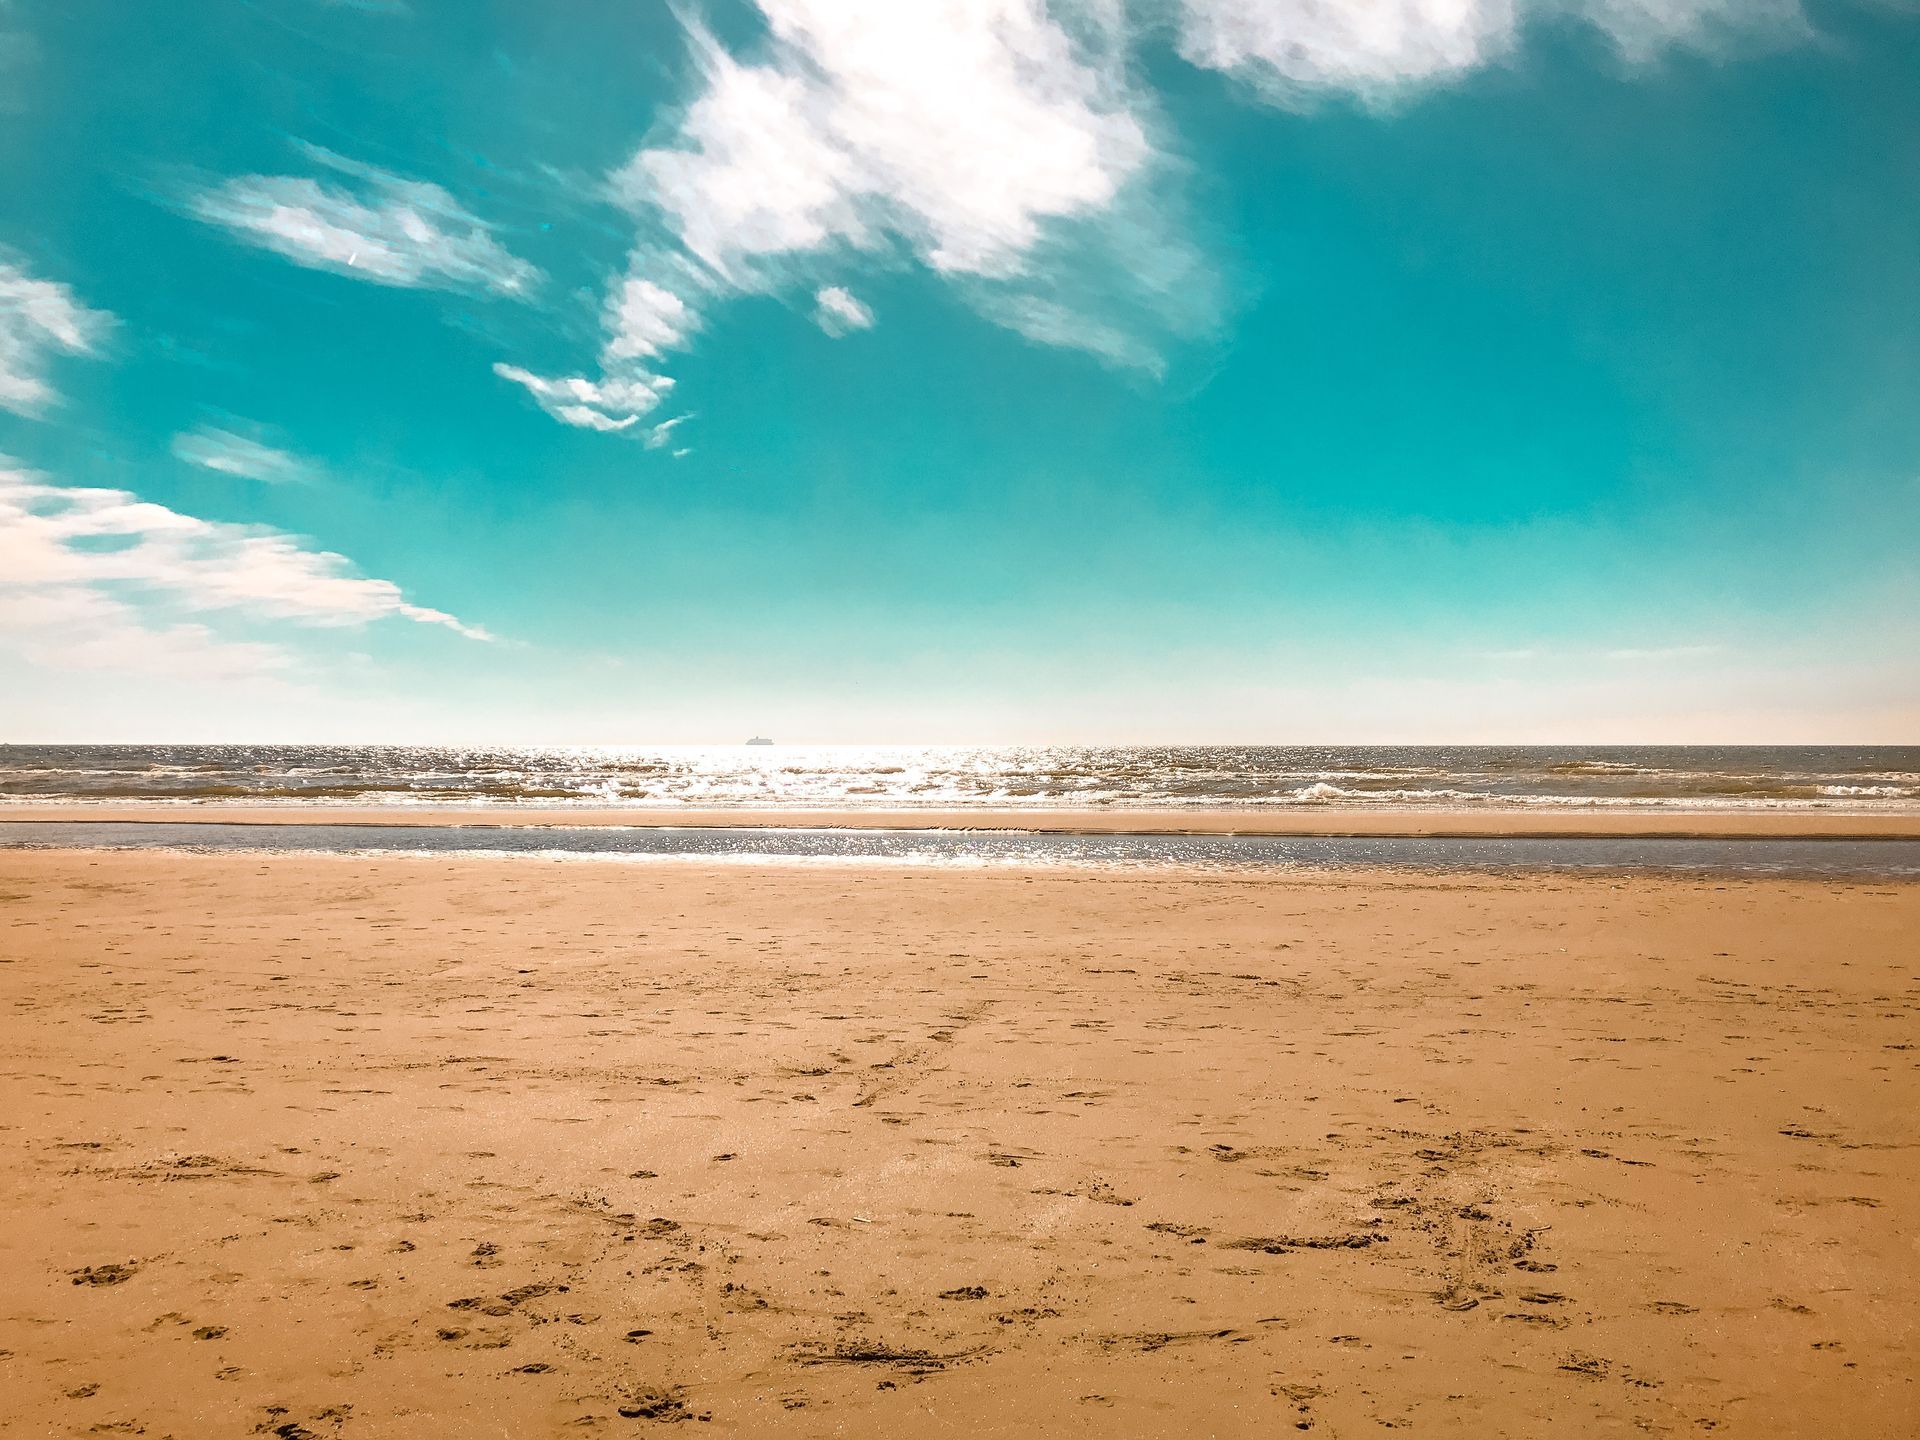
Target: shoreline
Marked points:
1564	823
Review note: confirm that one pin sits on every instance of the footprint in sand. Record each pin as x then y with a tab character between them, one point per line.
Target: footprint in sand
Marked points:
105	1274
659	1405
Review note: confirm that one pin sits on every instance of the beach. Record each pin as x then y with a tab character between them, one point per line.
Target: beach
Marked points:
376	1146
969	720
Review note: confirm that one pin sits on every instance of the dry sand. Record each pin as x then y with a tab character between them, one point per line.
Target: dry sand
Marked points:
329	1146
1316	820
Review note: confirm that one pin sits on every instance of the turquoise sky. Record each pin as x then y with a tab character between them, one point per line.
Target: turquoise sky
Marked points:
853	370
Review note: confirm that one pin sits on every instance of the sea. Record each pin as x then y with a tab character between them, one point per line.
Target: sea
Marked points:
647	784
1859	779
798	844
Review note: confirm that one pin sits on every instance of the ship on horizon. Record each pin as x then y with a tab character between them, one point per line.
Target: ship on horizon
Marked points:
759	740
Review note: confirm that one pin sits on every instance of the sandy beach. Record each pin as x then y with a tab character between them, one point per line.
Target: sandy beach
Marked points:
362	1147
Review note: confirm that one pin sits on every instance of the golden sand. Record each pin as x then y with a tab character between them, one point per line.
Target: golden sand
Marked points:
337	1146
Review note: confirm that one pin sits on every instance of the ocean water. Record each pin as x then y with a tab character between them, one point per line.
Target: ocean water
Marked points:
1843	778
1889	860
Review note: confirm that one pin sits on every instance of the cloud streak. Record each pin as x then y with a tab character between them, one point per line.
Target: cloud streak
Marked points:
95	577
226	453
38	320
384	229
611	403
1293	52
839	312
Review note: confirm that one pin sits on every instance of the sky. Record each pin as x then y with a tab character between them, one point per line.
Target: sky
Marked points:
960	371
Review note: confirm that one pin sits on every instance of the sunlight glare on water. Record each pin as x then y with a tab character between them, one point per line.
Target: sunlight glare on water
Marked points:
1880	778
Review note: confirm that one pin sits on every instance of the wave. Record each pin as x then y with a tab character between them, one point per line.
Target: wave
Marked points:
1861	778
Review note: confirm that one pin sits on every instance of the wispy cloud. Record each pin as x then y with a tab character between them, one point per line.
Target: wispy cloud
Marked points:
72	627
1010	148
39	319
611	403
95	577
1053	322
227	453
990	141
369	224
1295	51
839	312
642	321
658	435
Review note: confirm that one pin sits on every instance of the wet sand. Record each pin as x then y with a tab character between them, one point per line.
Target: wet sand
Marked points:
318	1146
1317	820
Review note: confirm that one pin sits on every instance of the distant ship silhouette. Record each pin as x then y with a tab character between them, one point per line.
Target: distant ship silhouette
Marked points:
759	740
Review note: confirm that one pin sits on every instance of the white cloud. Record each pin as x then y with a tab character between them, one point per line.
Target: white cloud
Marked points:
658	435
611	403
92	577
1288	47
397	232
226	453
754	174
1007	146
38	318
75	628
837	311
1295	50
645	319
969	135
1640	29
957	126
